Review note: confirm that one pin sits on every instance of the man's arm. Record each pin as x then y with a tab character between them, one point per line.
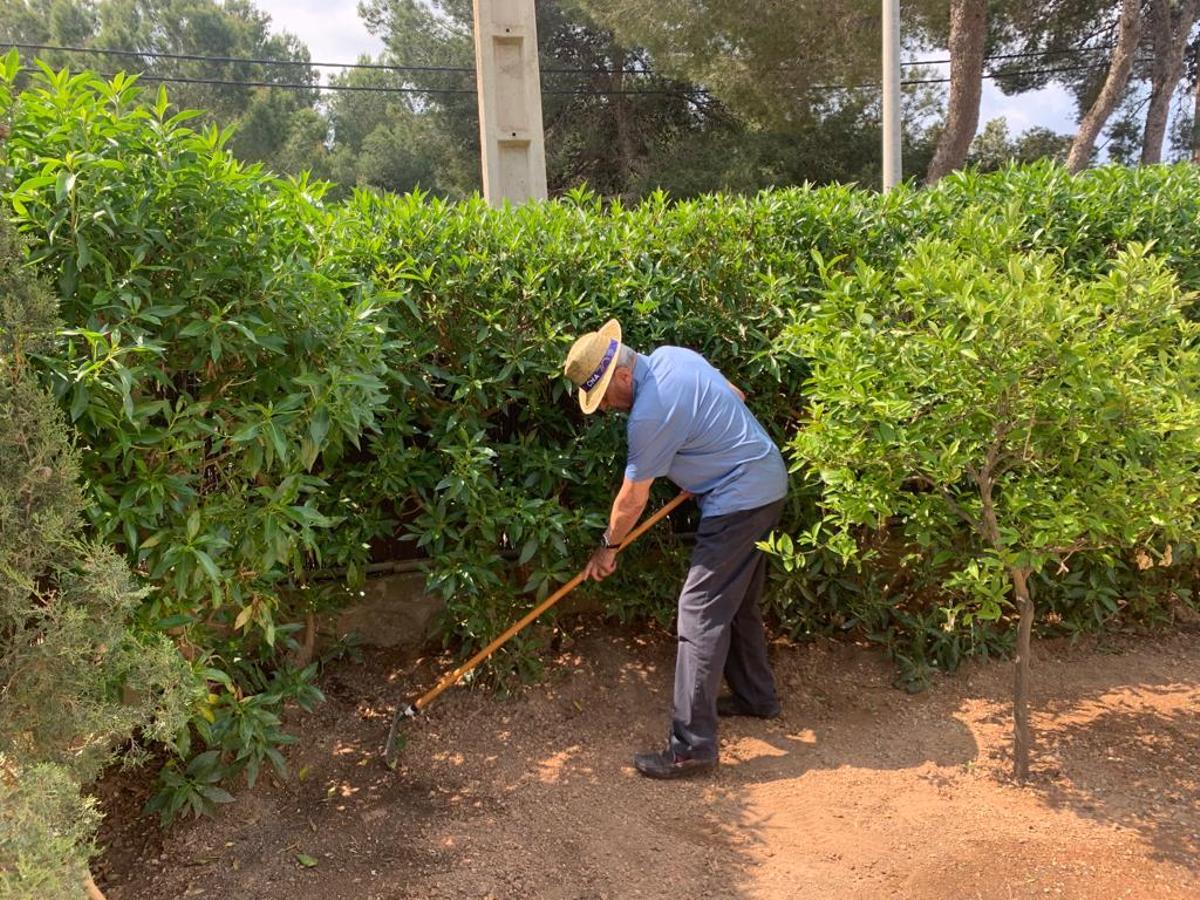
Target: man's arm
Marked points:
627	508
733	387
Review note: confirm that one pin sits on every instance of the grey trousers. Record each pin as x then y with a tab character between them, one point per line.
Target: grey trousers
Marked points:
721	628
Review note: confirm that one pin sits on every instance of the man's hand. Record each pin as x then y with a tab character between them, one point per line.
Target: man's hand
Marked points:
626	510
602	564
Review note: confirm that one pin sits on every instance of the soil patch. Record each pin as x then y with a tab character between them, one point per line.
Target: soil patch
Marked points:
857	790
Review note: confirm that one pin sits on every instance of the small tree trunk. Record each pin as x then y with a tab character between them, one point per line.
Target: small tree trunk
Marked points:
989	529
968	38
304	653
1169	33
1128	34
1021	734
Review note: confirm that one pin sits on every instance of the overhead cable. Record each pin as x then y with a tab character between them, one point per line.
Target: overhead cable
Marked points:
466	70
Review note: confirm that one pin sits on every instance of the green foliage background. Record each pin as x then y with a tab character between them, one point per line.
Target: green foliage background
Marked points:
270	387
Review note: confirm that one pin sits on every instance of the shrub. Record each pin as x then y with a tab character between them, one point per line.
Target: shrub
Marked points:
1005	418
212	366
78	681
46	831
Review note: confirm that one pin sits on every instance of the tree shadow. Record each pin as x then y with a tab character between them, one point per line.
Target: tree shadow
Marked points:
1138	769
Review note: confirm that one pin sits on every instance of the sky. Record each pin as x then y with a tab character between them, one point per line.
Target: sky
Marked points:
1051	107
334	32
331	28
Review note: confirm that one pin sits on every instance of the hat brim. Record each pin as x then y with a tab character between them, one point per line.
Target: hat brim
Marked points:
589	401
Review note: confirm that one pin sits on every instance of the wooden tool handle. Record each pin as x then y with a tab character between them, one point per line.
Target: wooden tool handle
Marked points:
453	677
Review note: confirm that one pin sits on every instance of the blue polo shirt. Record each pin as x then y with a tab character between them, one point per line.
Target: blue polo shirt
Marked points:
688	424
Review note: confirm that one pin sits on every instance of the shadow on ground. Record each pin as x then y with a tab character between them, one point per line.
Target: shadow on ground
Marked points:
1135	768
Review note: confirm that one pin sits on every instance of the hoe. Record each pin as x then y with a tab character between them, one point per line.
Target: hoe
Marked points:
412	710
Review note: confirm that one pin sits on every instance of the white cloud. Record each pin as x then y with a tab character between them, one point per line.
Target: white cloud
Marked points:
1051	107
331	29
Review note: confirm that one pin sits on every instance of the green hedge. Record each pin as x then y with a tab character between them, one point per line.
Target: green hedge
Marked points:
504	292
268	387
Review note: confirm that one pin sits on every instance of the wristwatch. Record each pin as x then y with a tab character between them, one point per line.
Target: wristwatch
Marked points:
606	544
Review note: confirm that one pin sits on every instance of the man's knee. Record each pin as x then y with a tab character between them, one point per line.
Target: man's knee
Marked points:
703	633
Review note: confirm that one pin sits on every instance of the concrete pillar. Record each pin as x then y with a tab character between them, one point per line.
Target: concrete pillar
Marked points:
891	94
510	101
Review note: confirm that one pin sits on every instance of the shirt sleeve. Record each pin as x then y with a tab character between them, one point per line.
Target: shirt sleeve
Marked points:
652	448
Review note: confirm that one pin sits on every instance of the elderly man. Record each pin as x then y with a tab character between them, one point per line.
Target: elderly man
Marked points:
687	422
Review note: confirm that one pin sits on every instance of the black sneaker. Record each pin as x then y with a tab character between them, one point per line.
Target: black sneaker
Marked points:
669	764
729	705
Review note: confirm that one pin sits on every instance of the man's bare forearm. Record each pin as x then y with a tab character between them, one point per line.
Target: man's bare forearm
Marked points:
627	508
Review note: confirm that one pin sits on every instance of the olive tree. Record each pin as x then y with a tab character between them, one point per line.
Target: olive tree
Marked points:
1006	416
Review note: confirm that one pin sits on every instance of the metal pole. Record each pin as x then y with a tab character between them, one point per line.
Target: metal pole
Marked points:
891	94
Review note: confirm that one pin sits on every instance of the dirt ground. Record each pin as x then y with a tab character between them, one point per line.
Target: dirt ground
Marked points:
859	790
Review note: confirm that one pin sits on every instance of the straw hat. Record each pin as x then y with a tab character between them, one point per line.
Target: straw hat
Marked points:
591	363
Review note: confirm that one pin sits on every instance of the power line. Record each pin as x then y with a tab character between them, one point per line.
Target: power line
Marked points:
1025	55
1014	74
945	79
171	79
995	76
150	54
684	92
296	85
